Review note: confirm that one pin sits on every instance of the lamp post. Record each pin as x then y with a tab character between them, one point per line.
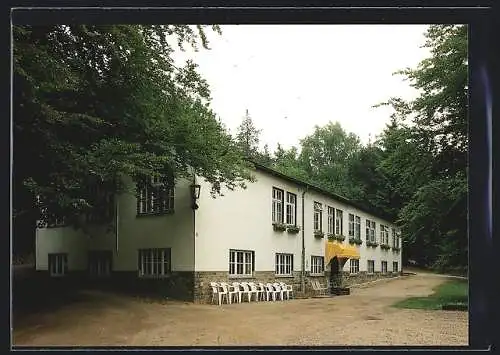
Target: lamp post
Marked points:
195	194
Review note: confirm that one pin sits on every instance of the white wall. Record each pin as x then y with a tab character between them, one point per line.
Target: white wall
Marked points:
175	231
242	219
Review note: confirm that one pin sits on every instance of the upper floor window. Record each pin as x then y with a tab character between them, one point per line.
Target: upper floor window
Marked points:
291	208
277	213
331	219
357	227
384	234
318	216
351	225
103	202
395	238
339	222
49	217
370	231
155	196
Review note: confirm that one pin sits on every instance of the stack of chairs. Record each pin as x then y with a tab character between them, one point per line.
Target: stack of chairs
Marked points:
237	292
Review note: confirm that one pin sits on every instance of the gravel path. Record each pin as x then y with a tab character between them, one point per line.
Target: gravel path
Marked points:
362	318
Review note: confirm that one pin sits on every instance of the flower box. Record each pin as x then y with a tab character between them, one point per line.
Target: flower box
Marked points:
293	229
319	234
385	246
371	244
280	227
337	237
396	249
357	241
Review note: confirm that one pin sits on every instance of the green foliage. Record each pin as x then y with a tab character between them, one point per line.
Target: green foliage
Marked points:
279	227
293	229
95	103
357	241
247	136
450	292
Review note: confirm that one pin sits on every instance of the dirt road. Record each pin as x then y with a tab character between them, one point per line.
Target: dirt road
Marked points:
362	318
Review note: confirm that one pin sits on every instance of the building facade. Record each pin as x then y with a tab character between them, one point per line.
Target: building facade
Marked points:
156	241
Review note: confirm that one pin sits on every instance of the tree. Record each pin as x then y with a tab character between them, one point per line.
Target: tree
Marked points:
426	161
247	136
325	155
94	103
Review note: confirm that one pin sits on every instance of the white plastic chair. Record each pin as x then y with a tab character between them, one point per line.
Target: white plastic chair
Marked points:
248	291
230	291
281	291
239	289
270	291
262	290
218	293
255	290
288	289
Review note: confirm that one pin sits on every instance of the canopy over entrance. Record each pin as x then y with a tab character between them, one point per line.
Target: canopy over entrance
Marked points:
341	251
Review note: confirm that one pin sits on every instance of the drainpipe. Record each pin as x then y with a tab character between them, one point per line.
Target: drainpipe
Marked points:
303	269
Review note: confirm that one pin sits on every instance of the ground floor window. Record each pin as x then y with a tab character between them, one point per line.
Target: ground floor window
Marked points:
58	264
317	265
395	266
371	266
100	262
154	262
354	266
383	266
241	262
284	264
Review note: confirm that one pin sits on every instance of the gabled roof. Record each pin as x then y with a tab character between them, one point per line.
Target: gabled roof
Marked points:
320	190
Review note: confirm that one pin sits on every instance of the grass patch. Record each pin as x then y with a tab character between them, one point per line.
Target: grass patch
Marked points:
454	292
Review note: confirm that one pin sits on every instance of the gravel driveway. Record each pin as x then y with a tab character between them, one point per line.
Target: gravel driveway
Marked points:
362	318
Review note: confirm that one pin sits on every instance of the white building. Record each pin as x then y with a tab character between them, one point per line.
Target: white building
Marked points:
158	241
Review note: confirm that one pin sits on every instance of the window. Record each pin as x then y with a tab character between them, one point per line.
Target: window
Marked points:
49	218
383	266
284	264
351	225
331	219
277	205
395	238
100	262
354	266
58	264
241	262
317	265
154	262
291	208
370	231
155	196
357	227
384	234
103	203
318	216
339	224
371	266
394	266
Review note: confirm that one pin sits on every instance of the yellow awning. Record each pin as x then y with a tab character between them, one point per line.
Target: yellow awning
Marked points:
333	248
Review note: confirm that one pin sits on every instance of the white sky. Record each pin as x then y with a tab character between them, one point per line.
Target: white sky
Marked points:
293	77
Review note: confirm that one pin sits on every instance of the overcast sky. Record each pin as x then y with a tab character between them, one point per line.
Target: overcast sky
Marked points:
293	77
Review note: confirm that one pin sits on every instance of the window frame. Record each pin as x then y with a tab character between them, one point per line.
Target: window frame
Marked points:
339	221
283	261
331	220
245	263
293	206
357	227
317	263
99	257
353	266
318	211
155	196
382	263
61	264
397	266
368	262
371	235
157	258
277	202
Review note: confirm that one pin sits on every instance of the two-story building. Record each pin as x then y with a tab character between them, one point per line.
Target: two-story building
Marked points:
176	239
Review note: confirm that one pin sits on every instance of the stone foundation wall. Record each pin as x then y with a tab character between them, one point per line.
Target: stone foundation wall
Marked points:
203	292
